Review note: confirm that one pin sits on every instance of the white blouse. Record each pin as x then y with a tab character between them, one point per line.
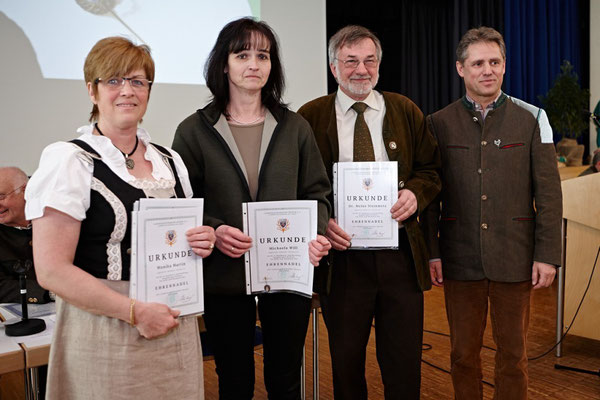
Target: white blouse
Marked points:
64	176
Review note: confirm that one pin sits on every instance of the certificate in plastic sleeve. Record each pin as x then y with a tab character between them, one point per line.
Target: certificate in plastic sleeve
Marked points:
363	194
278	259
166	270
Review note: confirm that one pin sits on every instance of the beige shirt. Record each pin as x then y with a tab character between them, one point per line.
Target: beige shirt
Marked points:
248	138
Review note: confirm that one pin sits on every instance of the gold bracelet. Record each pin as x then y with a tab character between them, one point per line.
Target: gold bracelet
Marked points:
132	312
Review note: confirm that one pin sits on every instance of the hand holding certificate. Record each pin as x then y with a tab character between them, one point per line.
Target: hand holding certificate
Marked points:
281	232
164	268
364	193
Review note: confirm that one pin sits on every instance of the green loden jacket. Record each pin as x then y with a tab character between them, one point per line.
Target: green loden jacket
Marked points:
407	141
290	168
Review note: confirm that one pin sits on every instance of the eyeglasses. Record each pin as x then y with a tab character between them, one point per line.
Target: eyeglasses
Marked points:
4	196
353	63
118	83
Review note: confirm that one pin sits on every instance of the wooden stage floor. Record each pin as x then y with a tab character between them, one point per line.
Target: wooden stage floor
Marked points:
545	381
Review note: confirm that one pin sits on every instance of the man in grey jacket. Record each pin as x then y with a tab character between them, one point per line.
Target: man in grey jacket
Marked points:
499	224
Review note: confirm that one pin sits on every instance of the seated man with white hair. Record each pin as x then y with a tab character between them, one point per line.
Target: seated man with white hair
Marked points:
15	239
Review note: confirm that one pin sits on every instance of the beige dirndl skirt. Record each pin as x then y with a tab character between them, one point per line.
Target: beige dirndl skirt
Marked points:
97	357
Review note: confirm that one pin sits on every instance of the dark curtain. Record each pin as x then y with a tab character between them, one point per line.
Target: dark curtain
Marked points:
419	39
539	35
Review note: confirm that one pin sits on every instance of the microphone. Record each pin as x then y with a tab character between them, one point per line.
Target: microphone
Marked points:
26	326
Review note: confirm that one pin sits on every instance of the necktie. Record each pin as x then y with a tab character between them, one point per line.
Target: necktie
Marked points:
363	146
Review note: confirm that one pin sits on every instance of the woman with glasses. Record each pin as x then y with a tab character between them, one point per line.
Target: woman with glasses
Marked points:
247	146
106	345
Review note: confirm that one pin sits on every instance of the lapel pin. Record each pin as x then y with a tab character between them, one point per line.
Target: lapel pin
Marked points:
497	142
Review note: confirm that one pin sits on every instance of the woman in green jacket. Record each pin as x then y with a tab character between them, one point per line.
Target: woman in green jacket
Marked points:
247	146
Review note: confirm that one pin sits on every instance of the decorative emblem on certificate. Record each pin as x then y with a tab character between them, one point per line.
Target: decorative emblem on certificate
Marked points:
170	237
283	224
278	260
364	193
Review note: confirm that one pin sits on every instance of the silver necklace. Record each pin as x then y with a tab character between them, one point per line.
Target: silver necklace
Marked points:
232	118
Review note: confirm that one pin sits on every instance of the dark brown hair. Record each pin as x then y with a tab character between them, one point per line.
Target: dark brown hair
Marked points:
237	36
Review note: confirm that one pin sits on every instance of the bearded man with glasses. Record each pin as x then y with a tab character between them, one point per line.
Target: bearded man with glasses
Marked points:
385	285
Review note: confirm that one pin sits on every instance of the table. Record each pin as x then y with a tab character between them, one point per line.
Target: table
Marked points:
36	350
11	354
26	353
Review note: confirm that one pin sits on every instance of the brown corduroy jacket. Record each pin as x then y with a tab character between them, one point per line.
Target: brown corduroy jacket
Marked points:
501	202
407	141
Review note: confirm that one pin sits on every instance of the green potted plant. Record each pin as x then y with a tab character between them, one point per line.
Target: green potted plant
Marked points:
565	104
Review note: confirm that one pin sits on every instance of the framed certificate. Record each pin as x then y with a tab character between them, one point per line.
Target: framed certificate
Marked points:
363	194
164	268
278	259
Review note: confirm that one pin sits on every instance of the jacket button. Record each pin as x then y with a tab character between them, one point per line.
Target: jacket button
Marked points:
484	226
475	119
401	184
129	251
483	143
479	171
393	145
483	197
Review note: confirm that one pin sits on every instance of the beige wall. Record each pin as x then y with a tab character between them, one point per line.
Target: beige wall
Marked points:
35	112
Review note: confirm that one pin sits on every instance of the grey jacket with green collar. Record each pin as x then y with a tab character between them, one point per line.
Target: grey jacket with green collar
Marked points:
290	168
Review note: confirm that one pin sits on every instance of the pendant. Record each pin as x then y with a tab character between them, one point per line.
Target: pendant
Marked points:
129	163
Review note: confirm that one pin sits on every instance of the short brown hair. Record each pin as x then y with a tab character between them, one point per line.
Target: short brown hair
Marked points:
349	35
115	57
476	35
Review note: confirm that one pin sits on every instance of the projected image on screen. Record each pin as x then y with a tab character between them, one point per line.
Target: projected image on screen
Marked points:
179	32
